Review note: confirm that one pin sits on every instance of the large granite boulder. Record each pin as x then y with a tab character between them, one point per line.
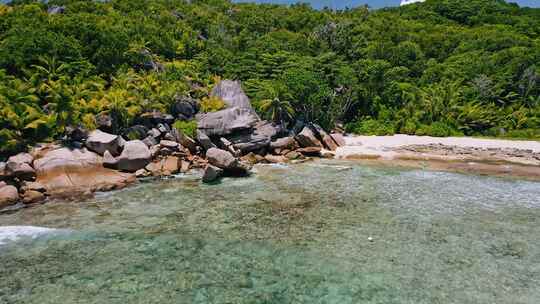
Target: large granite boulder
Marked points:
69	172
226	161
8	195
135	156
232	94
226	121
99	142
307	138
259	137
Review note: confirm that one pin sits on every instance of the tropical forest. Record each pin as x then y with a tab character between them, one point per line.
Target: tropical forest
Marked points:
441	68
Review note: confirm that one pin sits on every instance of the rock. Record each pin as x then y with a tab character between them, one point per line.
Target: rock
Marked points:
329	142
163	128
32	197
172	145
109	161
307	138
275	159
338	139
136	132
104	122
185	108
232	94
328	154
150	141
69	172
54	10
155	133
76	134
185	141
225	160
3	172
155	150
310	151
154	118
142	173
204	140
170	165
99	142
135	156
21	158
250	158
184	166
22	171
258	138
226	121
293	155
33	186
211	174
8	196
284	143
169	136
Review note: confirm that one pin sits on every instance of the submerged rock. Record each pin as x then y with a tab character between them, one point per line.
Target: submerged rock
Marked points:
211	174
32	197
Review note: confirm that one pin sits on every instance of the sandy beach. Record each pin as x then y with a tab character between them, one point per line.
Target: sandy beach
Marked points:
462	154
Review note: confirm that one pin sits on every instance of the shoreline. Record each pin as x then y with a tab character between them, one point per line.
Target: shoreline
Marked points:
497	157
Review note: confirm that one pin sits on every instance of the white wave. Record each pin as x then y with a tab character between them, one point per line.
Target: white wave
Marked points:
14	233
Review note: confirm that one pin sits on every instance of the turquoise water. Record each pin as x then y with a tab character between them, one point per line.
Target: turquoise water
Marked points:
324	232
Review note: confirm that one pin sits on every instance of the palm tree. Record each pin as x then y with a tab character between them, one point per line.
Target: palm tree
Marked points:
277	109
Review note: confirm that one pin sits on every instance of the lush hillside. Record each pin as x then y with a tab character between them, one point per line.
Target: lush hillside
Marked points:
444	67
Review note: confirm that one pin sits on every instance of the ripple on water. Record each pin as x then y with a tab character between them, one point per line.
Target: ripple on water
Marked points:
325	232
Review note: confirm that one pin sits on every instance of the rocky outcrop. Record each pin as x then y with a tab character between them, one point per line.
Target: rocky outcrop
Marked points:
8	195
307	138
99	142
226	161
151	119
135	156
68	172
164	167
275	159
226	122
21	158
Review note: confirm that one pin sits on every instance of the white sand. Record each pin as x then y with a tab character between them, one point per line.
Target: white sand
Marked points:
383	145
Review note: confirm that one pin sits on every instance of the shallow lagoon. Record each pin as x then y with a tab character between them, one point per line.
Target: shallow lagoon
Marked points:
323	232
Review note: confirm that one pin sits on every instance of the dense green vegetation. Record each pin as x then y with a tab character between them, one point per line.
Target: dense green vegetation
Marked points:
445	67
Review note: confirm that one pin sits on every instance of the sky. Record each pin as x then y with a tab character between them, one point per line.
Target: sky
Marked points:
371	3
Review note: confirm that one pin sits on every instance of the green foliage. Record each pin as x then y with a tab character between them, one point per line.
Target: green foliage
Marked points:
188	128
212	104
441	67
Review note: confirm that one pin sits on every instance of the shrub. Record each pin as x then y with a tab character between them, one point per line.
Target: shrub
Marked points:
188	128
371	127
437	129
212	104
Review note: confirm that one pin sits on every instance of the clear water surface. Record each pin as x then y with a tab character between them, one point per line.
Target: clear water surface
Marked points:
323	232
